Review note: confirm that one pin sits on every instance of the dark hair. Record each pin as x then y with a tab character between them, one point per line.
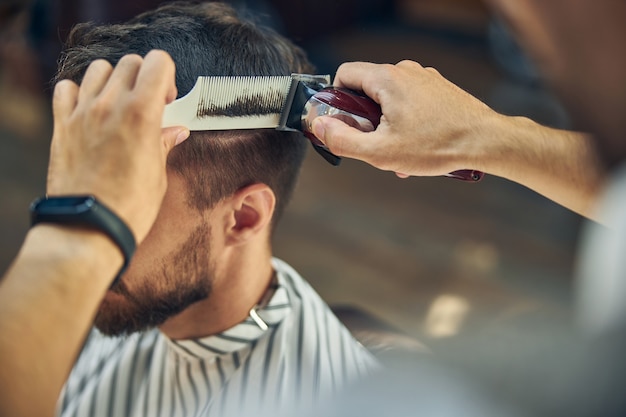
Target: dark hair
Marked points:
207	39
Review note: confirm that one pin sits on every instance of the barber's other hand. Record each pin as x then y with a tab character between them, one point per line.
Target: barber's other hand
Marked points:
107	138
429	125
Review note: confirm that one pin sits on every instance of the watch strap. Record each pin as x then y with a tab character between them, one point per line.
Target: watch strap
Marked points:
85	211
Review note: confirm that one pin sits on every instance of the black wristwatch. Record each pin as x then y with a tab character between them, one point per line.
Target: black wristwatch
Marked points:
85	211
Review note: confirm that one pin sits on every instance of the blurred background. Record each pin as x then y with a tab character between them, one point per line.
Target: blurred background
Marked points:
434	257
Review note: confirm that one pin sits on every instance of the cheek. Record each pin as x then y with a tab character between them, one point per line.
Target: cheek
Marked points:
174	225
168	234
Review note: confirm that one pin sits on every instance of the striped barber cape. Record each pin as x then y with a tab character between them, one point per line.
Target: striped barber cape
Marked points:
303	356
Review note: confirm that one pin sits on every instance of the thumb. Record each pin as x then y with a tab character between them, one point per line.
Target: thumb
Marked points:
174	135
341	139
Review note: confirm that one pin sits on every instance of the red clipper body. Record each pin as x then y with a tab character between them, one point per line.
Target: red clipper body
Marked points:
358	111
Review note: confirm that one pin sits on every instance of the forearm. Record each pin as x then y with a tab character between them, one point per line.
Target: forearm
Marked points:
447	129
561	165
48	299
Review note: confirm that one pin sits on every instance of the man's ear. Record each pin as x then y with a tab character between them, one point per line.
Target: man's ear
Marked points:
251	211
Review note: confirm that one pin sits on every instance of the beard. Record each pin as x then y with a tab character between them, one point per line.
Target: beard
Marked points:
181	279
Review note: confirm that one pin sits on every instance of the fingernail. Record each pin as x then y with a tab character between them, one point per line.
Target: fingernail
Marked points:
318	130
183	134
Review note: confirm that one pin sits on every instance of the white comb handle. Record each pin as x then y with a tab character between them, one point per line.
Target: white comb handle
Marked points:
227	103
182	112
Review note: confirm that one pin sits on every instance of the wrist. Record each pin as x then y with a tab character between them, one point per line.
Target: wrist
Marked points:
75	252
85	211
479	142
504	145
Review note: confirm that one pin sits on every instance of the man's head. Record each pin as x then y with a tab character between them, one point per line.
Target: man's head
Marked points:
578	46
223	187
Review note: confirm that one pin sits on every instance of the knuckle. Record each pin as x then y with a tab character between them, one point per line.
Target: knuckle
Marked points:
101	108
412	67
136	108
99	65
388	70
159	54
378	81
432	70
343	67
388	74
136	102
130	59
387	80
408	64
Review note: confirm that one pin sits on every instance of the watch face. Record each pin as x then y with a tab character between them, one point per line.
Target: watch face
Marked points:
77	204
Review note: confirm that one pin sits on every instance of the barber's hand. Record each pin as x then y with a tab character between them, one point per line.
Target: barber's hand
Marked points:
429	125
107	138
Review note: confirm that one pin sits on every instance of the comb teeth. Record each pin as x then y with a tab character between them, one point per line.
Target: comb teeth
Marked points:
242	96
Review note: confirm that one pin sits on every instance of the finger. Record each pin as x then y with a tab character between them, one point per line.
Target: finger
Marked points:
156	79
124	74
401	175
371	79
95	79
64	99
341	139
172	136
352	74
